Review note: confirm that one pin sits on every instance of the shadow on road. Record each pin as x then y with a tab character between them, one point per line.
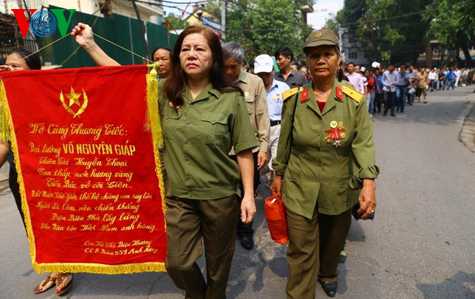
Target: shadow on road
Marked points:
356	233
461	285
249	265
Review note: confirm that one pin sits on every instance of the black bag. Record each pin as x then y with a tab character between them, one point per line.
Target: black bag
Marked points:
357	216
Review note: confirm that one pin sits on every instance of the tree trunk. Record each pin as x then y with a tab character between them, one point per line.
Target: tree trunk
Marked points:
459	60
466	53
142	30
442	57
462	37
428	54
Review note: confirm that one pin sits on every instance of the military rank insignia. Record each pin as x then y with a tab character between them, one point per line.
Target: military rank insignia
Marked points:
287	94
339	93
336	133
356	96
304	96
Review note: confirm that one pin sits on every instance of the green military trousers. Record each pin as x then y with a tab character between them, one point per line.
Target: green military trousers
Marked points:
314	251
189	222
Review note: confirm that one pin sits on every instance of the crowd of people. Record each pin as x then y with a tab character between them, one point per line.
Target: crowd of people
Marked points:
303	132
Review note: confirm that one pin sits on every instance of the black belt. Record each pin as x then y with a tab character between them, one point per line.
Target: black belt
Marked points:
274	123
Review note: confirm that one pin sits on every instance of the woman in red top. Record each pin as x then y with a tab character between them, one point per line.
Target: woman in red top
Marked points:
369	92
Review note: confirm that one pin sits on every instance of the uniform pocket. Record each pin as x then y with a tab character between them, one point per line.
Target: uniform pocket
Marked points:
214	126
171	122
250	104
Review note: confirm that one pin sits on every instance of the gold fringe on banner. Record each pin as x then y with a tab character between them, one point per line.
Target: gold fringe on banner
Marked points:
7	121
156	128
100	268
4	119
7	133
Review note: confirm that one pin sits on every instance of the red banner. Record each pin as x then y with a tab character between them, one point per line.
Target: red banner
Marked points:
86	151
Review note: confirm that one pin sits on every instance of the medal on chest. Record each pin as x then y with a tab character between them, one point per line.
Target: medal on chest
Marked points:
335	133
276	97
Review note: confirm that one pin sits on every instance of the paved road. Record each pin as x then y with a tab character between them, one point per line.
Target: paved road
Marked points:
421	244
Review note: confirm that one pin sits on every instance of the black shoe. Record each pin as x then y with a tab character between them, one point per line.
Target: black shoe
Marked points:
247	242
329	288
392	114
385	112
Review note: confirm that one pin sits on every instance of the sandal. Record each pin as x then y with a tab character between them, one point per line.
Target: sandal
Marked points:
45	285
60	288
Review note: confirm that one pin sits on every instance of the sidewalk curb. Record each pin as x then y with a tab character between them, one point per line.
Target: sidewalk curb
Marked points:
467	132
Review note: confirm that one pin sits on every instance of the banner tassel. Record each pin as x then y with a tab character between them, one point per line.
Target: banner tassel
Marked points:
156	129
4	119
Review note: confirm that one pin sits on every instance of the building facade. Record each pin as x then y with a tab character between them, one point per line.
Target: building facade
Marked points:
351	49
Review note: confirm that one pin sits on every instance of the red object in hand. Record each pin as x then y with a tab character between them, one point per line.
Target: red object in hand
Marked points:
276	219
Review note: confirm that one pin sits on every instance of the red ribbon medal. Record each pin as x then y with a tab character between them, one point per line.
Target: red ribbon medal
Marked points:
336	133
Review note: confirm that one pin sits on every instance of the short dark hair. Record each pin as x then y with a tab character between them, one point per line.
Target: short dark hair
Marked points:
286	52
350	63
33	61
403	64
162	48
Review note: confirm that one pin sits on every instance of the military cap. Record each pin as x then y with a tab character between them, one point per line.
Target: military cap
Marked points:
322	37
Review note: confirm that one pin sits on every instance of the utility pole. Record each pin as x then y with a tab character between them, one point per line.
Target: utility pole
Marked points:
223	19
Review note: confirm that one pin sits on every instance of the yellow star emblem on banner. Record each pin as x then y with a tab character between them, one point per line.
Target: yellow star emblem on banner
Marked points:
73	98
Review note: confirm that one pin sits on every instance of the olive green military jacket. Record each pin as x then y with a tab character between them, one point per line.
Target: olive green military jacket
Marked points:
324	156
198	137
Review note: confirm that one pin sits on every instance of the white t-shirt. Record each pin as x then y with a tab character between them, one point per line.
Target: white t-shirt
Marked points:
432	76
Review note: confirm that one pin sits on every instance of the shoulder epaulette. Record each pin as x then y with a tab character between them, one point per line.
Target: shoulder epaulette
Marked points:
356	96
286	95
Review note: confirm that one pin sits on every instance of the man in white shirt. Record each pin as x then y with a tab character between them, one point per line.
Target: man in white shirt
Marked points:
355	78
457	74
390	79
412	73
432	78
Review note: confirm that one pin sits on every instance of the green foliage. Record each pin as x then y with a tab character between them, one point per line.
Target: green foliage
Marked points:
262	26
393	26
332	24
452	23
176	21
385	56
213	7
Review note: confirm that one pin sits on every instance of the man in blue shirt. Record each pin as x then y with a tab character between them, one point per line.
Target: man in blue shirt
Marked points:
450	79
264	68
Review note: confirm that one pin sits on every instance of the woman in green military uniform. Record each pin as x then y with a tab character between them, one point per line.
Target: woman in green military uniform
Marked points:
325	164
202	116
